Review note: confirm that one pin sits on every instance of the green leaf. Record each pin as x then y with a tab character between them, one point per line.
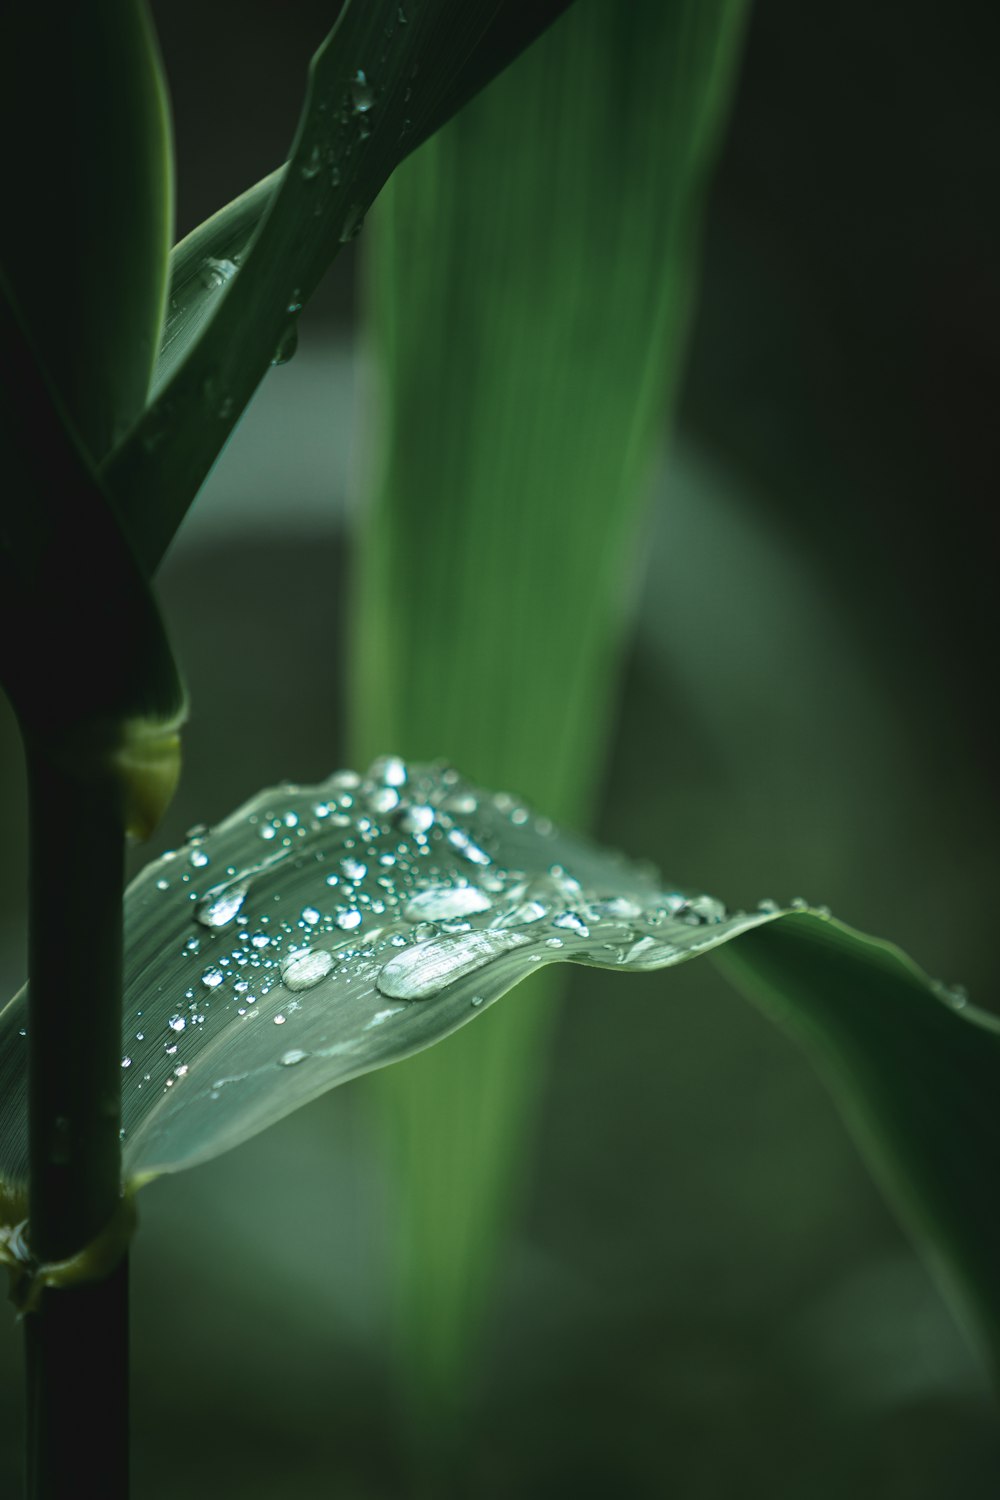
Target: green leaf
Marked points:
386	76
88	179
532	279
321	932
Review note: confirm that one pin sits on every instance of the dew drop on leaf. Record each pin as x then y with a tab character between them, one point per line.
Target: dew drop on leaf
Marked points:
215	273
222	906
362	95
287	345
418	818
425	969
442	902
306	967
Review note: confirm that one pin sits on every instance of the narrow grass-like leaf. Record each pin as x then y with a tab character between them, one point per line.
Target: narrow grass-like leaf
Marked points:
532	280
321	932
386	76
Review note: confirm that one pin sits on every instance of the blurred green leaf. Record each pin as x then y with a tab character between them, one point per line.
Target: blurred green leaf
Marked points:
88	180
386	76
532	280
321	932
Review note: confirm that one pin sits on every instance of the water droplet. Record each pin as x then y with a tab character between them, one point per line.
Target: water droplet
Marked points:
279	1020
362	95
522	915
217	399
354	869
259	940
425	969
287	345
180	1070
353	221
268	831
176	1023
955	995
215	273
223	905
572	921
163	885
460	841
383	799
767	905
126	1062
348	920
211	979
312	165
198	858
343	782
708	908
478	999
417	819
292	1056
310	915
381	1016
617	908
306	967
446	901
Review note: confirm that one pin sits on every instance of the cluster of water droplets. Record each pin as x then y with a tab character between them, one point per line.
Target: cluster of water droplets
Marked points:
341	120
322	931
345	114
337	912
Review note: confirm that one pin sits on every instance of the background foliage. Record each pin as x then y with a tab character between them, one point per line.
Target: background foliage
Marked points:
704	1285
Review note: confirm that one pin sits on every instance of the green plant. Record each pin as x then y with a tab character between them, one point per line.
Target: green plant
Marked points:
104	755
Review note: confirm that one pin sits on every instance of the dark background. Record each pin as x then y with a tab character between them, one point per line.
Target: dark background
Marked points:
705	1295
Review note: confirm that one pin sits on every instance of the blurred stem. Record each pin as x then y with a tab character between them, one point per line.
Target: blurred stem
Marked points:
76	1341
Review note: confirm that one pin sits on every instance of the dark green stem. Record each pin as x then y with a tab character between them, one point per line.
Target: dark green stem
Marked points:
76	1342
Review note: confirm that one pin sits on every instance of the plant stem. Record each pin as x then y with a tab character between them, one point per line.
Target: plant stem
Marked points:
76	1341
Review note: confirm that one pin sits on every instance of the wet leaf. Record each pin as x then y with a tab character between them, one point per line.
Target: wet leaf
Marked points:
321	932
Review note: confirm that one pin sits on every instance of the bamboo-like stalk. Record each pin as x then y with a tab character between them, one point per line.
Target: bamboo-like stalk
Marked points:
76	1340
